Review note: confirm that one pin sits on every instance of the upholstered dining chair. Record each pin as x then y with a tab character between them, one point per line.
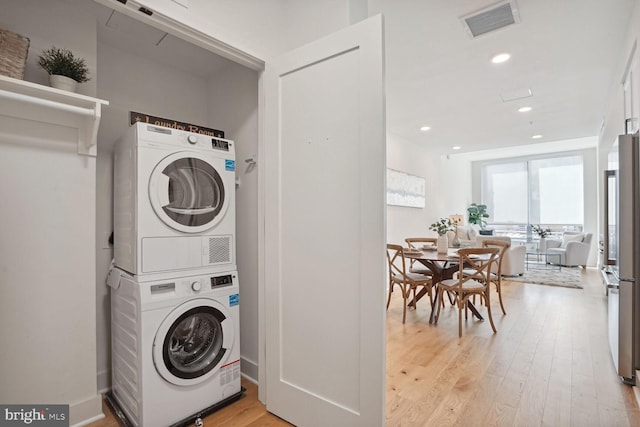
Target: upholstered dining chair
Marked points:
417	243
400	276
476	281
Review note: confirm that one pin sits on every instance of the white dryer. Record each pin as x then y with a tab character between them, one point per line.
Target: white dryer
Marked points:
175	346
174	201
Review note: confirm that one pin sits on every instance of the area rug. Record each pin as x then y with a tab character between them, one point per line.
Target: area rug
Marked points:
567	277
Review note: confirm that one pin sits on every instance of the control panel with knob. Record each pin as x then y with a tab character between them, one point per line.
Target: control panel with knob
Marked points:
196	286
192	139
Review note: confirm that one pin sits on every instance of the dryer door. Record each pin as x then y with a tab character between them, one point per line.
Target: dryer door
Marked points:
193	342
190	192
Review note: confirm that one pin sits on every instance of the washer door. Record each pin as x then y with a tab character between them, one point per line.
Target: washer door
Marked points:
192	342
187	191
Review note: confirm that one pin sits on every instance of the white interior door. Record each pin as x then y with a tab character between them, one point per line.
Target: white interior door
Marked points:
325	230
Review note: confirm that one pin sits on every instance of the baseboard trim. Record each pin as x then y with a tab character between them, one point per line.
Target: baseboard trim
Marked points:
249	369
85	412
636	393
251	380
104	381
89	421
636	388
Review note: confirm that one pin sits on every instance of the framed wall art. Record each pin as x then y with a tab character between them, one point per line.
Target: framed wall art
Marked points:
404	189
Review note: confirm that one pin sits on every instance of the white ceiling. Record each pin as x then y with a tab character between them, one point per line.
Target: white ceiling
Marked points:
135	37
565	51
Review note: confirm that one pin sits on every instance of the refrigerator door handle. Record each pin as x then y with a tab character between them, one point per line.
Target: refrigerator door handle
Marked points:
622	279
613	286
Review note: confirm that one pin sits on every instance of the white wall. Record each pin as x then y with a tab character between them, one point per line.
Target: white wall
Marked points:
47	263
615	116
237	88
410	158
448	188
31	20
47	271
456	188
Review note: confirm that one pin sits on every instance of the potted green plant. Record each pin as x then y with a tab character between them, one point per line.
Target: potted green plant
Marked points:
64	68
542	233
477	215
441	227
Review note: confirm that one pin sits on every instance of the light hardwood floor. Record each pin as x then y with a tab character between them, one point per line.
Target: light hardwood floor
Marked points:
548	365
246	412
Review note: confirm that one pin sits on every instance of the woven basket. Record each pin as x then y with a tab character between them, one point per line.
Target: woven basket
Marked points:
13	54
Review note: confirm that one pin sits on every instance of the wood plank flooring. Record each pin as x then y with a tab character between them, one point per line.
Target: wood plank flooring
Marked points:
548	365
246	412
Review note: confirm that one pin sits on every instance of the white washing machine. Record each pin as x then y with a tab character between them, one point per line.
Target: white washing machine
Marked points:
174	201
175	346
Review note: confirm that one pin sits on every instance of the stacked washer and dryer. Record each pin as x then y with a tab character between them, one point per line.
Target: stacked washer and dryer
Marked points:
175	295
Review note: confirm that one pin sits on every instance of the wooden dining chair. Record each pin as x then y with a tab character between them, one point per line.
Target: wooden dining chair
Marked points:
417	243
496	269
477	262
400	276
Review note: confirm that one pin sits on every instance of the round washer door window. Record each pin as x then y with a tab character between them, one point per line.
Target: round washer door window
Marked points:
187	192
193	342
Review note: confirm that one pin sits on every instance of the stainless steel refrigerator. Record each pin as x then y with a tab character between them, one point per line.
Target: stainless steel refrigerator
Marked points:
624	275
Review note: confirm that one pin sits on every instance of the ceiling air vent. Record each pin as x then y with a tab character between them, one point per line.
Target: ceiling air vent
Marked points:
492	18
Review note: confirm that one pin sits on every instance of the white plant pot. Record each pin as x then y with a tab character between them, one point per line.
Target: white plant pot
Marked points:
442	244
542	246
63	82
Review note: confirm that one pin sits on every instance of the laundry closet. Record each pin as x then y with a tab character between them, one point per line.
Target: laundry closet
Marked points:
146	70
320	99
134	67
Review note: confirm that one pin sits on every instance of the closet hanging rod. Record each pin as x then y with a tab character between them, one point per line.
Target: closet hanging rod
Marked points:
47	103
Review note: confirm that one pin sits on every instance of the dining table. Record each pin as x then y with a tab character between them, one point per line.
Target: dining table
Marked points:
443	266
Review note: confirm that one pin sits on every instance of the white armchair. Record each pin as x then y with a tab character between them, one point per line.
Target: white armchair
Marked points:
572	250
513	262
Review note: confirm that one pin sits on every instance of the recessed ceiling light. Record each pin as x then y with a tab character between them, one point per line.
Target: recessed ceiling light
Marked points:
524	109
500	58
425	128
536	136
456	147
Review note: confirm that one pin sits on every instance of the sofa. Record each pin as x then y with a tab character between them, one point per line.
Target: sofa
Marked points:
513	262
466	235
572	250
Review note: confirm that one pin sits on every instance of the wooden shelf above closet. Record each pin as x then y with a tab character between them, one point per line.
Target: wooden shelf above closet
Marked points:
44	104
